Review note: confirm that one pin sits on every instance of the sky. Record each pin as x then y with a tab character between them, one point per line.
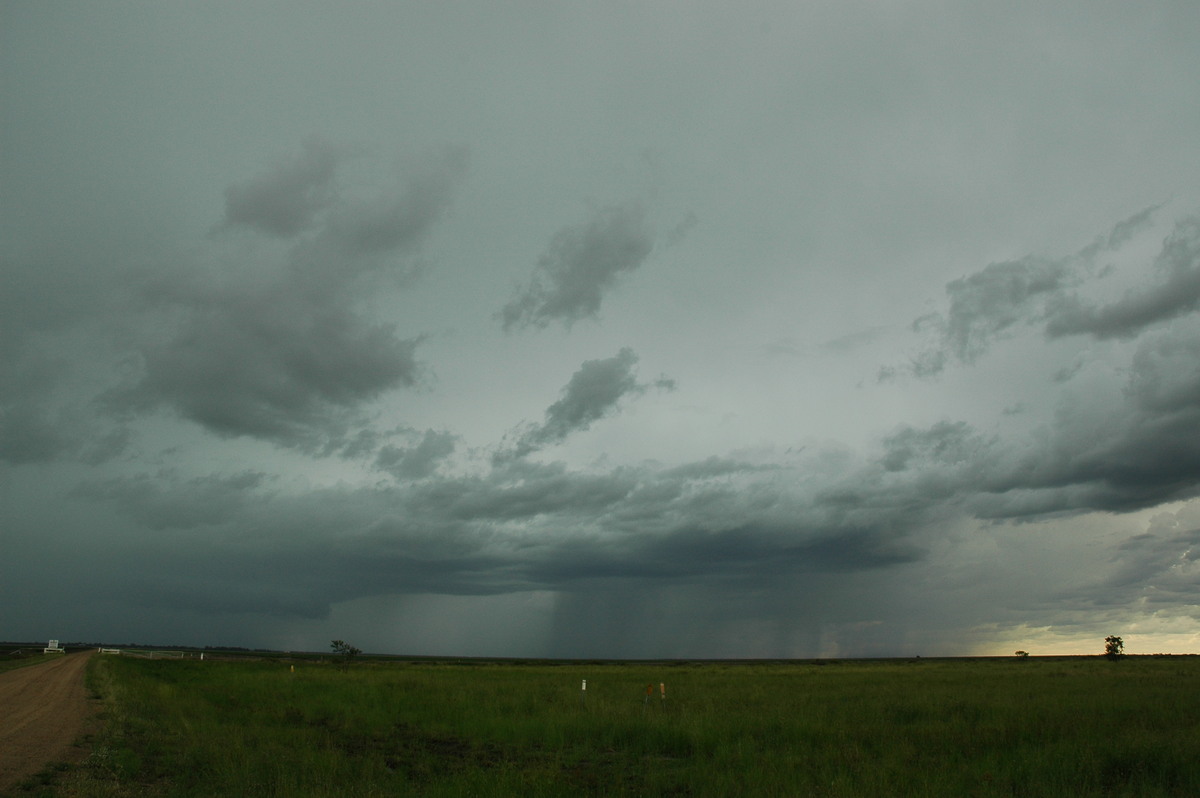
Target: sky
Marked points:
623	329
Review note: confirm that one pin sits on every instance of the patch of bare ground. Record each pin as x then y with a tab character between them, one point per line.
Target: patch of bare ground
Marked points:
46	711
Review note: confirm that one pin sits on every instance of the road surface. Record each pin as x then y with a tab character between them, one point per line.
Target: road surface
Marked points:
42	712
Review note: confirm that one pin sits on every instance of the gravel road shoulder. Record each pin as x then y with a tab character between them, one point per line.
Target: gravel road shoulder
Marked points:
43	709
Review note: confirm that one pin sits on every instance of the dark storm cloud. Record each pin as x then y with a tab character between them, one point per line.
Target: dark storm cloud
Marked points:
1130	455
1176	293
1129	449
711	525
944	442
718	523
47	298
292	197
1002	297
582	263
419	460
282	352
37	425
592	393
378	233
398	220
272	365
52	289
714	467
246	392
28	433
750	555
1122	231
521	526
166	501
520	492
1164	375
283	201
984	305
1149	451
252	341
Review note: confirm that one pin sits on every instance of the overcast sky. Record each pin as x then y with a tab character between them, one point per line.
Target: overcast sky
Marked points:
618	329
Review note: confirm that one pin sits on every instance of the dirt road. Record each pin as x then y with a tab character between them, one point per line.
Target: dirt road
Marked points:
42	712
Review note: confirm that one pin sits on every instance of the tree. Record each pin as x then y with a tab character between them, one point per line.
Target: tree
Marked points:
1022	654
1114	647
346	651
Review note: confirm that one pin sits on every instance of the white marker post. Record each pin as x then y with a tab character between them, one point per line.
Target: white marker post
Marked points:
583	694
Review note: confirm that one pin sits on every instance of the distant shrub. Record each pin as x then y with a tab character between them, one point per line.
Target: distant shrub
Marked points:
345	652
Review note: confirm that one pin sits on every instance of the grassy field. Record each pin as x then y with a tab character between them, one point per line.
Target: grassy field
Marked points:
1032	727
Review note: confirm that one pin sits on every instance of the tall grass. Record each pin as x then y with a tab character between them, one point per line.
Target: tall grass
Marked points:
950	727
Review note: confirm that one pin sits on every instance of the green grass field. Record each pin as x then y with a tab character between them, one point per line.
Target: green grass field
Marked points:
1032	727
